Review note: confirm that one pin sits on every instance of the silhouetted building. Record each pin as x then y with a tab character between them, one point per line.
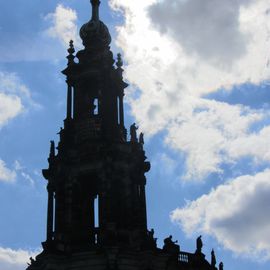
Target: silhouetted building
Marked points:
96	216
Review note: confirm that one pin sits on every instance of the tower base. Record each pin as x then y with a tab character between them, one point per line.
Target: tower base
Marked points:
115	258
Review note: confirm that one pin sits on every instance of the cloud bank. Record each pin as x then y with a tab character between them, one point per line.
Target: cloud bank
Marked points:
234	213
215	37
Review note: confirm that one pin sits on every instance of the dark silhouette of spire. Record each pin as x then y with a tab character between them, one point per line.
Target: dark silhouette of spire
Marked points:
96	210
95	34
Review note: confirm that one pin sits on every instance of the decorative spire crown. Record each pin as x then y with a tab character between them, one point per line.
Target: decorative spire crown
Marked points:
95	33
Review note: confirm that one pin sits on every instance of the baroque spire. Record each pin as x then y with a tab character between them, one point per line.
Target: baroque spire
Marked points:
96	211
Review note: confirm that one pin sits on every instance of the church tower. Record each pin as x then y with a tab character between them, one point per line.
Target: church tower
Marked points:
96	215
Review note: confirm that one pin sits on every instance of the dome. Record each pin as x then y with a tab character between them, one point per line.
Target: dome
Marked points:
95	33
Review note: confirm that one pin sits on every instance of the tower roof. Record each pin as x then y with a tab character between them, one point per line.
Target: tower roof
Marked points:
95	34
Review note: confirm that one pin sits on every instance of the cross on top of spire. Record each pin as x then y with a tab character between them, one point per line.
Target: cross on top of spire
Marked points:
95	10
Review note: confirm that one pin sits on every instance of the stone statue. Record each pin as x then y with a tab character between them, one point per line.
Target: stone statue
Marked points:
141	138
151	233
213	258
151	236
168	240
221	266
61	133
152	242
199	244
171	246
133	133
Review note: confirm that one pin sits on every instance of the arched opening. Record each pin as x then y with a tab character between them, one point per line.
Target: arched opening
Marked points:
118	111
96	210
96	220
96	109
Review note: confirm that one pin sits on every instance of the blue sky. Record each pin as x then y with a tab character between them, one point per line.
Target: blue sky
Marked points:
199	90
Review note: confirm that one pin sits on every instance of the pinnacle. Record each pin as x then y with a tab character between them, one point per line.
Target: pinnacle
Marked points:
71	47
71	50
119	62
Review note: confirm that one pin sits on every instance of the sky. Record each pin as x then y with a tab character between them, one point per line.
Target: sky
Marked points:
199	76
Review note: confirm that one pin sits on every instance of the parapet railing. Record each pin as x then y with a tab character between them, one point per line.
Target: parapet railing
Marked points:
184	257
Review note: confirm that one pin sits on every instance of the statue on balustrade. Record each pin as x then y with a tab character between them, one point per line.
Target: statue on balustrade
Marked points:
170	246
133	133
199	245
141	138
221	266
213	258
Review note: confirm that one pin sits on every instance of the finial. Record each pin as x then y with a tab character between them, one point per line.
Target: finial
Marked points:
95	10
119	62
71	50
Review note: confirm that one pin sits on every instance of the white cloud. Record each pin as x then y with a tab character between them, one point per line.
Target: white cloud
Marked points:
6	175
15	259
63	25
235	213
28	178
210	138
198	29
19	168
179	51
10	107
15	97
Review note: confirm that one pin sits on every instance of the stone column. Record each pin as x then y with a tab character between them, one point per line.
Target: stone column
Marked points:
143	201
69	102
121	110
50	213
